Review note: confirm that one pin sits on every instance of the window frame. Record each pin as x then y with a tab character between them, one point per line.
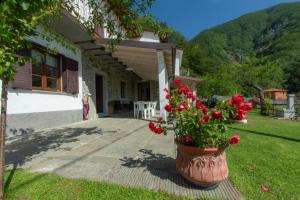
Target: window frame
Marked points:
44	66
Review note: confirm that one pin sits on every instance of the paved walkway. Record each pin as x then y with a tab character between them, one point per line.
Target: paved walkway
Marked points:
117	150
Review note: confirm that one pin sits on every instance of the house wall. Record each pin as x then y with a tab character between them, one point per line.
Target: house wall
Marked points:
111	84
149	37
29	110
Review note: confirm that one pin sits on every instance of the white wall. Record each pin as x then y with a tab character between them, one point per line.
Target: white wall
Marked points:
149	37
27	101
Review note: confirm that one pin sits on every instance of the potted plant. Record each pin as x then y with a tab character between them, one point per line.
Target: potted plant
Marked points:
200	136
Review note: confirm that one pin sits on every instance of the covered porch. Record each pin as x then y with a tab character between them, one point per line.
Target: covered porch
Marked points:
133	71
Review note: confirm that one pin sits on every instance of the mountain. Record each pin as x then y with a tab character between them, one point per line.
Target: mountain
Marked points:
272	34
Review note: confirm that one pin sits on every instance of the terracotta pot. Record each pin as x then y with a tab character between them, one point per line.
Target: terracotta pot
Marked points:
203	167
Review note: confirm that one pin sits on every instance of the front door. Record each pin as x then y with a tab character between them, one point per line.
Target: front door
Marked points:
99	94
144	91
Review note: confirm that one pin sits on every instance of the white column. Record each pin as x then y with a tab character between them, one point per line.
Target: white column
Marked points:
163	83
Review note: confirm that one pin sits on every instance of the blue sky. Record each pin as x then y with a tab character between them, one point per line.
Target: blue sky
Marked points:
189	17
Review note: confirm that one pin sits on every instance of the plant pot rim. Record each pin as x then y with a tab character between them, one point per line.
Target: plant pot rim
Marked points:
197	150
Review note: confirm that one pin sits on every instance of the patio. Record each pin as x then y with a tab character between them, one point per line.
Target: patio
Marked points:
117	150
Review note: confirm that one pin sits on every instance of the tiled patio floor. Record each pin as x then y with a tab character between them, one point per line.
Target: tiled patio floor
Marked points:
117	150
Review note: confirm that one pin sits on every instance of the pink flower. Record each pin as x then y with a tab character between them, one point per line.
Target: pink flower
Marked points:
168	96
177	82
151	126
199	105
216	114
168	108
266	188
234	139
188	139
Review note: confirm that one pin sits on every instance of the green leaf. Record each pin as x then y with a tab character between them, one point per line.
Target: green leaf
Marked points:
25	5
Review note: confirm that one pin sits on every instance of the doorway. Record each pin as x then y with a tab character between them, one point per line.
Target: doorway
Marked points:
99	93
144	91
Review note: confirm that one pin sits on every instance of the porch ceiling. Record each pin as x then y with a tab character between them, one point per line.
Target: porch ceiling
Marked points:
143	61
137	57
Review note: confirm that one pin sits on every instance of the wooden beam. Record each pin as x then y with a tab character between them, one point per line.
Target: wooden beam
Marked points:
85	41
97	48
139	44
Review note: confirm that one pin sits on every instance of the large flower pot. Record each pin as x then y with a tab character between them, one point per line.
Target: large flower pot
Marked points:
203	167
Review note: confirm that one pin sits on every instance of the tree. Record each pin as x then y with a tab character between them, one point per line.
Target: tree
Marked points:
222	82
255	74
20	19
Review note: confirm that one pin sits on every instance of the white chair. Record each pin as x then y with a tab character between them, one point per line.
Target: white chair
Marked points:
135	109
153	108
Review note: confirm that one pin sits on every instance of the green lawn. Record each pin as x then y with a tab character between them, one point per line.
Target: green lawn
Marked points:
31	186
268	154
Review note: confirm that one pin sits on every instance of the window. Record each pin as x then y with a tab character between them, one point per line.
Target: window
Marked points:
123	89
45	70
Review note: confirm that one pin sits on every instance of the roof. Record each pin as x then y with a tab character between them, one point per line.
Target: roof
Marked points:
275	90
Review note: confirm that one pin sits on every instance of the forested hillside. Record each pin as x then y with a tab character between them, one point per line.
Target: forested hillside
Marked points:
268	37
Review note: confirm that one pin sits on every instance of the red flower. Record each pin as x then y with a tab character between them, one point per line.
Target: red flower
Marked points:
188	139
180	108
234	139
204	120
166	90
266	188
194	98
151	126
158	130
217	114
168	108
179	91
241	114
168	96
237	100
248	106
186	90
199	105
177	82
204	110
190	95
160	120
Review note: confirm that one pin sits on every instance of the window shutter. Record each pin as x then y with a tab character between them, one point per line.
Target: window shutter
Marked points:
23	75
70	76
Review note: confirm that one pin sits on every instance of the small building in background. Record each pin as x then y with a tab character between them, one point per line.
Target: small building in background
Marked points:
276	94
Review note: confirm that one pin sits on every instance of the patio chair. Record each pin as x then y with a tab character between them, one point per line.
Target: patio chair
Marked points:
143	108
153	108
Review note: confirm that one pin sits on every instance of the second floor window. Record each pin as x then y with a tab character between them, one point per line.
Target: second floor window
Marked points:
45	70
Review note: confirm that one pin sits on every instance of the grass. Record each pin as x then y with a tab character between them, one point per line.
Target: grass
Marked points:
268	154
35	186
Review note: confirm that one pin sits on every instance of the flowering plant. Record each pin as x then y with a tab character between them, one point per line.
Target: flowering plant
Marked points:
239	107
194	124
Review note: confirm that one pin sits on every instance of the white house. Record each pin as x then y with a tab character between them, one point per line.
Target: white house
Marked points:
51	91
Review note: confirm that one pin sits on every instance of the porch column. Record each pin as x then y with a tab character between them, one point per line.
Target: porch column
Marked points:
163	83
